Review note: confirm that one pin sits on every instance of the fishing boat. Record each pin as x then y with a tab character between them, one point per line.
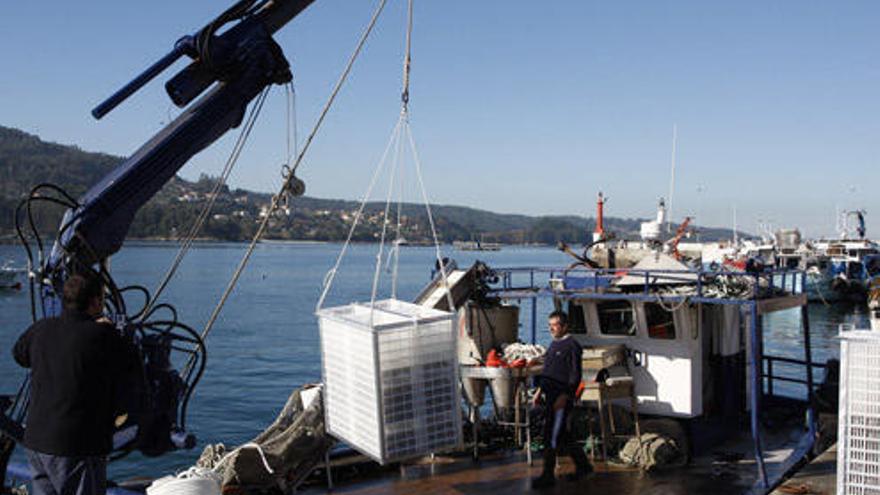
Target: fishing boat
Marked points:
683	348
847	265
680	392
10	275
850	267
789	250
874	305
678	350
609	251
476	246
678	353
829	277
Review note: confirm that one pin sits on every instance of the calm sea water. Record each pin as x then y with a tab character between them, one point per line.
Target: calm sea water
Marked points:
266	344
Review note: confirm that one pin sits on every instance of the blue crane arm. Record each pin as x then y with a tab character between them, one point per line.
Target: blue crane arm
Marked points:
234	58
242	61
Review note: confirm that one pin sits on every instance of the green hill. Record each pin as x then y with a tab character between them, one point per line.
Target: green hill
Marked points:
26	160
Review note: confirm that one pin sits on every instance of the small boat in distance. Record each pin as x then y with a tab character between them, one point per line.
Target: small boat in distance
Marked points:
476	246
9	276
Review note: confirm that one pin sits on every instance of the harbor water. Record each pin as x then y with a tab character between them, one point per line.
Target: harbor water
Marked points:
266	343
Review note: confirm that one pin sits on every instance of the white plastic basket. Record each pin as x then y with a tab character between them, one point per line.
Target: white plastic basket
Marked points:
858	454
391	378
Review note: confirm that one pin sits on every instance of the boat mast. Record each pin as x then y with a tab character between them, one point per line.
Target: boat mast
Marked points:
671	180
599	232
735	240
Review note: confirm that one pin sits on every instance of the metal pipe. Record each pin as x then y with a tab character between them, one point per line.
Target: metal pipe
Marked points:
808	355
786	379
756	392
534	320
534	309
792	361
143	78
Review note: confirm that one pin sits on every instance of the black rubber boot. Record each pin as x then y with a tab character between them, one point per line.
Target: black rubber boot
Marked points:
582	465
548	475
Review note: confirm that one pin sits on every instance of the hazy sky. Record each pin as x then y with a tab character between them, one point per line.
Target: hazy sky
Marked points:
517	106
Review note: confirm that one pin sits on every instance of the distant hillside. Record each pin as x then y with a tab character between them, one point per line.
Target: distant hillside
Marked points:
26	160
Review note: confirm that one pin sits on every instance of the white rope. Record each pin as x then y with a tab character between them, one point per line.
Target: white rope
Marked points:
404	110
378	268
672	308
198	480
193	481
440	263
399	237
249	445
196	227
402	127
404	96
288	180
292	129
331	274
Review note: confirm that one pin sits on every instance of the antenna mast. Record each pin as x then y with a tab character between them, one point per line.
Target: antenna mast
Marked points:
671	180
735	237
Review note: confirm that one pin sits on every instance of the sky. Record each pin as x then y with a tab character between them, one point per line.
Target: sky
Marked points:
516	106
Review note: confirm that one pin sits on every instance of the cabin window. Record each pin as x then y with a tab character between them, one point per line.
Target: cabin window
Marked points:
872	265
661	324
616	318
854	269
576	321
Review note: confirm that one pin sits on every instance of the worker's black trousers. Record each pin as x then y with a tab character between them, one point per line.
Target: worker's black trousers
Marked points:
557	425
60	475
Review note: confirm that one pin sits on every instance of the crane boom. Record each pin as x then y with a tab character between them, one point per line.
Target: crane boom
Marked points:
230	67
243	61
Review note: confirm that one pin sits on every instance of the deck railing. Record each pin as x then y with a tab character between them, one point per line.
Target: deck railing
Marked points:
766	284
769	375
596	280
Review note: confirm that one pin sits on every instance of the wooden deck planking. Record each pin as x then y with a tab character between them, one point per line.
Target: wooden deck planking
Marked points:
511	474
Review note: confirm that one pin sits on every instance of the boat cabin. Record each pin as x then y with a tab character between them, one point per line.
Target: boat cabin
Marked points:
693	345
671	350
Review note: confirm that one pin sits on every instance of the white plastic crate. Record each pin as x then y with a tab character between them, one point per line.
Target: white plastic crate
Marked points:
391	378
858	454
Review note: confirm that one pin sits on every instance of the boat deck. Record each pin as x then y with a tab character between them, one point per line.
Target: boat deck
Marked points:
729	470
817	477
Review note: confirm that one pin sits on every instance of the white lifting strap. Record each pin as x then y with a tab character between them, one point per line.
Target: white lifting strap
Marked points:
401	136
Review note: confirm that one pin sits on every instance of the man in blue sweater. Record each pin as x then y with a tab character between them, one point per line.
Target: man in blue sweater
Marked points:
558	383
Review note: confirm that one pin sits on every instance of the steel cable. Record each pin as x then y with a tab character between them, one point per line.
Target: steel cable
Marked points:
289	179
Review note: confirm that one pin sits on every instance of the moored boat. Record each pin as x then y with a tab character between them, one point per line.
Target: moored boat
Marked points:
10	276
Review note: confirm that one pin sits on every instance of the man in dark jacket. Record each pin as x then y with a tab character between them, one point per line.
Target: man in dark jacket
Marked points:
75	362
558	384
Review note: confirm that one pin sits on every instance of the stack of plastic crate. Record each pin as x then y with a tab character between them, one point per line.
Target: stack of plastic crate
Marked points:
858	454
391	378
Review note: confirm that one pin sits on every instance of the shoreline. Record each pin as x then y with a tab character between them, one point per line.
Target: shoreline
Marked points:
208	240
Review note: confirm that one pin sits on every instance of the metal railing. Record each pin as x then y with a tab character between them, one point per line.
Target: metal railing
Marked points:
768	376
596	280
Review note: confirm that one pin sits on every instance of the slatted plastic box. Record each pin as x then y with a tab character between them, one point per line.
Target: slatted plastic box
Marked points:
858	453
391	379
